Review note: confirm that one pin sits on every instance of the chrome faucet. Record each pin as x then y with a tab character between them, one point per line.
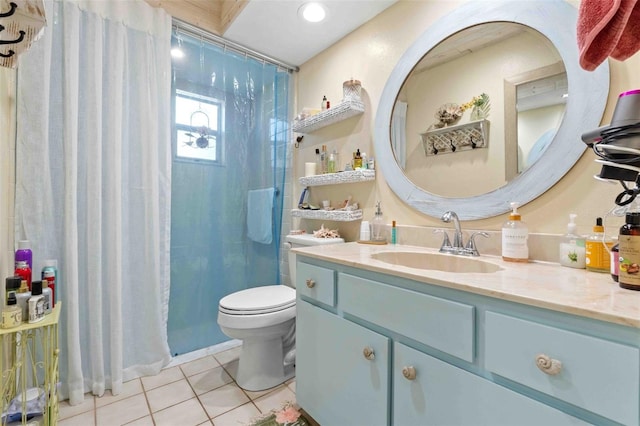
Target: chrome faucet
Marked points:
458	246
457	237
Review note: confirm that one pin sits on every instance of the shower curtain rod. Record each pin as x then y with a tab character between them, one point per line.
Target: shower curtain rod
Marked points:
193	31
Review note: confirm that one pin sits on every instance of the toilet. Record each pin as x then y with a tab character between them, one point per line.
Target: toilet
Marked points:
264	319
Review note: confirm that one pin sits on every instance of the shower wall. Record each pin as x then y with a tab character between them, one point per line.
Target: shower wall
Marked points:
211	255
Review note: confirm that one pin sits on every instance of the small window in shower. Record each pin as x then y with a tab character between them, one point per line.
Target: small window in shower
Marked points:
198	121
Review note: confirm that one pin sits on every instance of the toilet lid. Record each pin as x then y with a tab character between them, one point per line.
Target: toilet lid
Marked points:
259	300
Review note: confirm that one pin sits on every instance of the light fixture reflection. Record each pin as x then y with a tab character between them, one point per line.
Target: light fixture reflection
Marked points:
177	53
313	12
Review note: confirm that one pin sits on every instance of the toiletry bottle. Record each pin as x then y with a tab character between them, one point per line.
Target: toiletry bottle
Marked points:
515	236
393	232
572	250
357	160
318	161
11	314
365	231
22	270
615	262
377	225
323	106
24	253
597	257
22	297
371	164
324	158
11	285
331	167
629	245
365	160
50	274
47	294
36	302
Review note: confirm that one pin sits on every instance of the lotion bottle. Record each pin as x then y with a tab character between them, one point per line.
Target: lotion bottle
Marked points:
377	225
515	236
572	246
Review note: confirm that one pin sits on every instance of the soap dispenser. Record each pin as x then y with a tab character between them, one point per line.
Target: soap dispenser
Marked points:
515	236
377	225
572	246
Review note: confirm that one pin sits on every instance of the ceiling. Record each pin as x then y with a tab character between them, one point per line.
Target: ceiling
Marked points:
272	27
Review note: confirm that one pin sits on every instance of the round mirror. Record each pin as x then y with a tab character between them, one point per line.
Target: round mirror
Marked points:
521	60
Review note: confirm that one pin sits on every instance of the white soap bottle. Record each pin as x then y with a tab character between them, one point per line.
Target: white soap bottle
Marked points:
572	246
515	238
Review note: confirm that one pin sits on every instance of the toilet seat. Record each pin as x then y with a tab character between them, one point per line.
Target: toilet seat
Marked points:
258	300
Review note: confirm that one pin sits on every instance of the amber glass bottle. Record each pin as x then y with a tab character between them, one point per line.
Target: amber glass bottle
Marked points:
629	246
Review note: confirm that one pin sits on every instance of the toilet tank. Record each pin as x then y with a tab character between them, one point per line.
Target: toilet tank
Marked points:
304	240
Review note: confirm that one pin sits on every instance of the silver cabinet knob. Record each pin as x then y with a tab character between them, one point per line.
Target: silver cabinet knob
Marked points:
368	353
548	365
311	283
409	372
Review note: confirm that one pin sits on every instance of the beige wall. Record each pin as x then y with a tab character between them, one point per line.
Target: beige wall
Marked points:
370	54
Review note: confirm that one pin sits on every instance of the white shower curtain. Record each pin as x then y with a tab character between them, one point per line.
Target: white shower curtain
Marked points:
93	180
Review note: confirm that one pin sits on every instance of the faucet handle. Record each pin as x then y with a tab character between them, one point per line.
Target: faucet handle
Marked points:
471	244
446	243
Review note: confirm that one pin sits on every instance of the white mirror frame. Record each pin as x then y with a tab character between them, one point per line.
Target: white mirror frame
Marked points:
588	93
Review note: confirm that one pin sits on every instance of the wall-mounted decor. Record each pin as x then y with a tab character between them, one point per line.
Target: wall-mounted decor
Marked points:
456	138
21	23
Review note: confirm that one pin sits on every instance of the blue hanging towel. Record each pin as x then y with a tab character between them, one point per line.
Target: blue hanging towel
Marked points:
260	215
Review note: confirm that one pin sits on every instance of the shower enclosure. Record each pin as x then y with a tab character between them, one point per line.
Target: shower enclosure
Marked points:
231	136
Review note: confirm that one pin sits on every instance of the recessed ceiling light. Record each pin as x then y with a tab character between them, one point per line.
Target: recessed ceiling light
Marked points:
313	12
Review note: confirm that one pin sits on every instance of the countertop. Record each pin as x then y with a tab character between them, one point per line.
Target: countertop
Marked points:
541	284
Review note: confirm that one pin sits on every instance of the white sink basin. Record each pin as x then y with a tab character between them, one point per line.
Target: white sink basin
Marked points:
436	261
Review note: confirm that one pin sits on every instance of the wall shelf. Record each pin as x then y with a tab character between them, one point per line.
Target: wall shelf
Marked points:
335	114
350	176
456	138
333	215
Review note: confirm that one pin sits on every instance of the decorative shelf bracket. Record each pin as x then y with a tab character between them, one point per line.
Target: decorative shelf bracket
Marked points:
456	138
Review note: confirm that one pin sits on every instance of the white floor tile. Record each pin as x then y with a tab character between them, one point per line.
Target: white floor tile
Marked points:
187	413
276	399
229	355
199	365
168	375
223	399
123	412
145	421
209	380
84	419
238	416
66	410
130	388
168	395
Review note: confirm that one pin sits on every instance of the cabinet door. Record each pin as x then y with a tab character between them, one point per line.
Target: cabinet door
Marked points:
441	394
335	383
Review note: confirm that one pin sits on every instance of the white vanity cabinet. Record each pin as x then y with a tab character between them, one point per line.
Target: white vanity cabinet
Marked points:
385	350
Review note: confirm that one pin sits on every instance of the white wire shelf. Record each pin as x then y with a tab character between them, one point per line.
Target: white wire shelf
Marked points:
350	176
332	215
335	114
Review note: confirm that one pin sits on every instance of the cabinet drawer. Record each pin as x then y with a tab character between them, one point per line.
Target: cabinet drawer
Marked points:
316	283
443	324
595	374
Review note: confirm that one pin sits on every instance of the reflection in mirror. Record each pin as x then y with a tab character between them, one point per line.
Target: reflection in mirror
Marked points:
552	23
521	72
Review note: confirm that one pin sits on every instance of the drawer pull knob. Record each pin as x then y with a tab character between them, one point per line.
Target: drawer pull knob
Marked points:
368	353
409	373
311	283
548	365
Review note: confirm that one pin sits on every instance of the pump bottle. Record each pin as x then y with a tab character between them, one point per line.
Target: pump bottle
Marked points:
572	250
515	236
377	225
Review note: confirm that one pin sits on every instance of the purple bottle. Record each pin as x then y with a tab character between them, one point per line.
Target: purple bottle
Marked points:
23	254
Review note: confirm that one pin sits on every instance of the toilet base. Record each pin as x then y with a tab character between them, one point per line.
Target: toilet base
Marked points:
258	372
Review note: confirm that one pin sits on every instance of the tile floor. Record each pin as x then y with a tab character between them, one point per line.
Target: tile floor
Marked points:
199	392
